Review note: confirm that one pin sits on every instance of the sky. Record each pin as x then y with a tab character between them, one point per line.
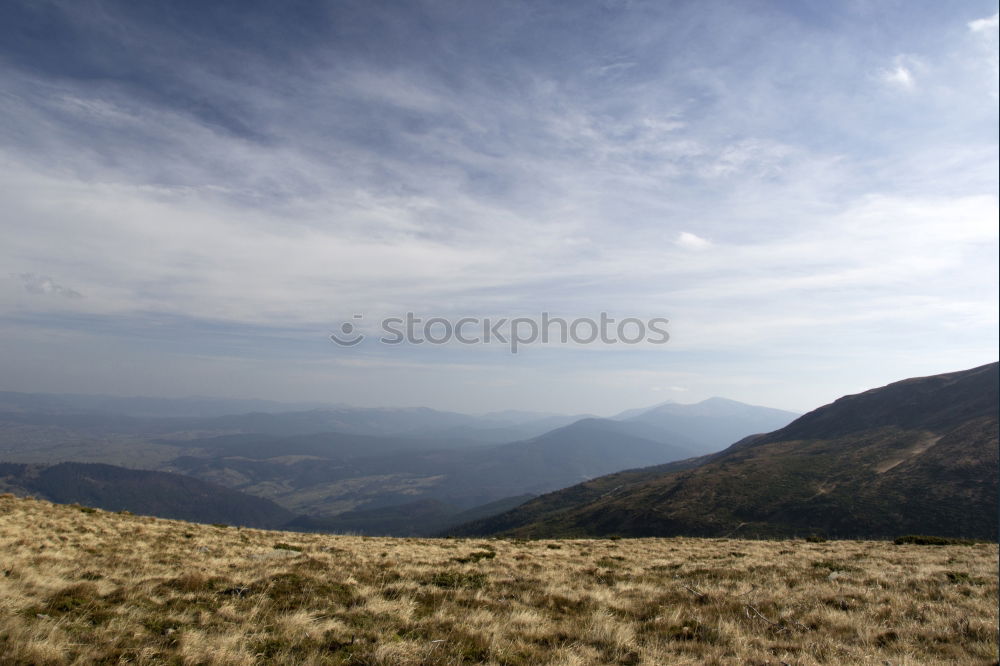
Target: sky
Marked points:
195	195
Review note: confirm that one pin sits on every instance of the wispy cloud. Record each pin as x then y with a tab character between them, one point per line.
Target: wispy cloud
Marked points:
900	74
692	241
43	284
988	24
987	31
287	171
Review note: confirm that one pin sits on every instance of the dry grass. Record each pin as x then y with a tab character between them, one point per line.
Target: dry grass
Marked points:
94	587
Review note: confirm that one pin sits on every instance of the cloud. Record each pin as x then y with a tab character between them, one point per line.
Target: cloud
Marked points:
988	24
985	32
899	75
43	284
749	157
690	241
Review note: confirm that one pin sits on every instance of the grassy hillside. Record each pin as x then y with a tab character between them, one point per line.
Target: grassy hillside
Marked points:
95	587
426	517
919	455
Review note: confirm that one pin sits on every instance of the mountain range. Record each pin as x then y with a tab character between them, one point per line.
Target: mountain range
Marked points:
916	456
375	471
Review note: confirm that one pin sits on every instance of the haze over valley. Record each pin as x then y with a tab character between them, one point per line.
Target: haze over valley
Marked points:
321	463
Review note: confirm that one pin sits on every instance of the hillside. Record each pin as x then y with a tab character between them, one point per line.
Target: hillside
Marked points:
143	492
425	517
553	503
917	456
84	587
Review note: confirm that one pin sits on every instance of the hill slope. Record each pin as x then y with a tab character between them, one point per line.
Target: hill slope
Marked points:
144	492
917	456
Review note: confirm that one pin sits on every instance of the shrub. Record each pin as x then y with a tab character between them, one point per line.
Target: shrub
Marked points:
833	565
691	629
475	557
73	599
456	579
927	540
292	591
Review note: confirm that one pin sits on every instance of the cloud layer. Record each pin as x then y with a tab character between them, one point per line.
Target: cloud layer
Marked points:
810	196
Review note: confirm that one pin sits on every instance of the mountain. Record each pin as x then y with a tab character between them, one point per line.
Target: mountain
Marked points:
585	449
144	492
636	411
916	456
707	426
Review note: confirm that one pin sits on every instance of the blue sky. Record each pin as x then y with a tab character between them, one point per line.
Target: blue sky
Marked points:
195	194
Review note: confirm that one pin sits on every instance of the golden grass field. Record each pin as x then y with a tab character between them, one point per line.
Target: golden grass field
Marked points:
84	586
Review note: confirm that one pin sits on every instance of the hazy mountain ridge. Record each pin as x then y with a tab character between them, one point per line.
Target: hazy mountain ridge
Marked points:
143	406
918	455
712	424
99	414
